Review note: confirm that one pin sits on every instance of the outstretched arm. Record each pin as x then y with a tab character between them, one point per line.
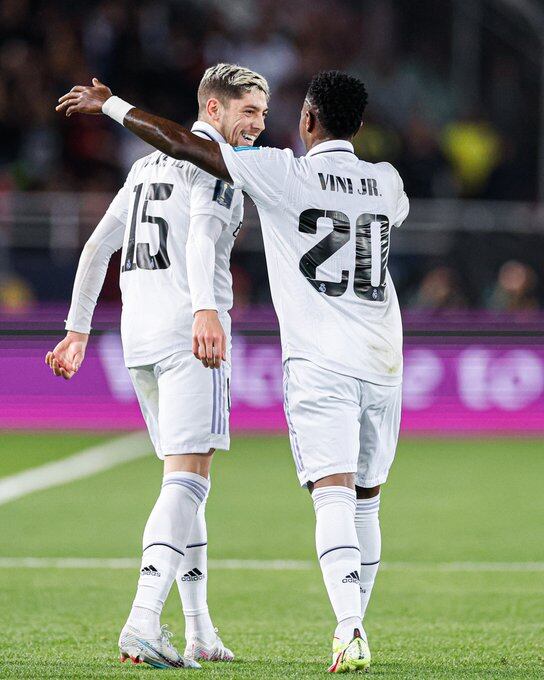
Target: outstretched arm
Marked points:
172	139
68	355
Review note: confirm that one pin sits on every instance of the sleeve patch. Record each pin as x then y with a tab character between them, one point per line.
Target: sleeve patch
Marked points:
223	194
246	148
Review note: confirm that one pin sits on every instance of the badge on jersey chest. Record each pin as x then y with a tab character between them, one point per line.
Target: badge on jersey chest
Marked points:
223	194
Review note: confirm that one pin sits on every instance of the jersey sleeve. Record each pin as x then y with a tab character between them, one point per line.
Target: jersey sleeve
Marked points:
91	271
204	232
119	207
210	196
261	172
403	204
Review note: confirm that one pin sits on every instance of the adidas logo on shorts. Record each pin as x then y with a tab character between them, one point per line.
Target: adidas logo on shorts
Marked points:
150	571
351	578
193	575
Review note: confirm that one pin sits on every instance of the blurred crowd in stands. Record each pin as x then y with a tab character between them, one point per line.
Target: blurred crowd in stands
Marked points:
515	290
444	143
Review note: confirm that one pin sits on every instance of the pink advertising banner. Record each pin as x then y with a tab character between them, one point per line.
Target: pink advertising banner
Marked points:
454	382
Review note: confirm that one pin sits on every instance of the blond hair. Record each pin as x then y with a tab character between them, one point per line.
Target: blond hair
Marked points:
229	81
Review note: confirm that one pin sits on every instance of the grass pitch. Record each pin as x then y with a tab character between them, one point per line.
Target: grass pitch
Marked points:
447	501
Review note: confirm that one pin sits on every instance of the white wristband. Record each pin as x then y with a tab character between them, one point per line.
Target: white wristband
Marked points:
116	108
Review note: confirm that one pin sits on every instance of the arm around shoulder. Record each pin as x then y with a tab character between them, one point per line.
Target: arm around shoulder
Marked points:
177	142
165	135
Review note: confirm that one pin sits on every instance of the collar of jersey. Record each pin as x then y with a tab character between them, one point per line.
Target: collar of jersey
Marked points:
332	145
208	131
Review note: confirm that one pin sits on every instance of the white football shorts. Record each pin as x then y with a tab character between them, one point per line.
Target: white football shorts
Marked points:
338	423
186	406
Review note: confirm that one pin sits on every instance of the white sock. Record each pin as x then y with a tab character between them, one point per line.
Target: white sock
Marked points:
192	579
344	629
338	549
146	621
367	524
165	537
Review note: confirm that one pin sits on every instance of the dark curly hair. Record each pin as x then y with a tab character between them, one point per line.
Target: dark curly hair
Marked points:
340	101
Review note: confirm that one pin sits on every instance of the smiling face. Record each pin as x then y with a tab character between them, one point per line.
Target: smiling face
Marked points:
240	121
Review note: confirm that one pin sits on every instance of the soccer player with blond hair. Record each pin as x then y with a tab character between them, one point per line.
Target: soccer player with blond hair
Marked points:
176	225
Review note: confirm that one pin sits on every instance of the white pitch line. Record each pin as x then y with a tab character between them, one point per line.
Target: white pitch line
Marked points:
262	565
83	464
132	563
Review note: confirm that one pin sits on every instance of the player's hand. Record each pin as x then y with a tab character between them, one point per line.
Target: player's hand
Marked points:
68	355
83	99
209	339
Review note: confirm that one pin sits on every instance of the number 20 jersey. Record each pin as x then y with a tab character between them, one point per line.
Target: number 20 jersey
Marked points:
157	202
326	220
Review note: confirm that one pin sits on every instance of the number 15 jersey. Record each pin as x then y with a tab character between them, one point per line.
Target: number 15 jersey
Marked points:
326	220
158	201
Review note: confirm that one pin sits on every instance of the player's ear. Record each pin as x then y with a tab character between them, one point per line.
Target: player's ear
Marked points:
214	108
310	120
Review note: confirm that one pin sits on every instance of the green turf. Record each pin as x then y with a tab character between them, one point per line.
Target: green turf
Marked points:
19	451
446	501
424	625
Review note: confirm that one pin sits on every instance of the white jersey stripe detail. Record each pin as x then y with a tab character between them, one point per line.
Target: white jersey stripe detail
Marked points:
223	400
215	405
220	376
219	402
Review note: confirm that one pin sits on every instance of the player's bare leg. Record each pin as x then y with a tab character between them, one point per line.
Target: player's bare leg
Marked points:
184	488
339	558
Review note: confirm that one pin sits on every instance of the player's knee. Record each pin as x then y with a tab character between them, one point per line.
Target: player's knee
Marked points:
367	493
198	463
340	479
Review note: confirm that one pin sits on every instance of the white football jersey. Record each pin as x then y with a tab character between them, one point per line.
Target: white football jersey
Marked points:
157	201
326	220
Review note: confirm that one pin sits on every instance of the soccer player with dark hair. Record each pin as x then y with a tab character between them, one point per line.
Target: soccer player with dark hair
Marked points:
326	220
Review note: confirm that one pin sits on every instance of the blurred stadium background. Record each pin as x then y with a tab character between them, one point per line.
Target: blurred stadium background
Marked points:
454	104
457	105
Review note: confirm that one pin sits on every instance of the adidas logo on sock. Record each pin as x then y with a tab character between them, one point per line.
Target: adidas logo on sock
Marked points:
193	575
351	578
150	571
